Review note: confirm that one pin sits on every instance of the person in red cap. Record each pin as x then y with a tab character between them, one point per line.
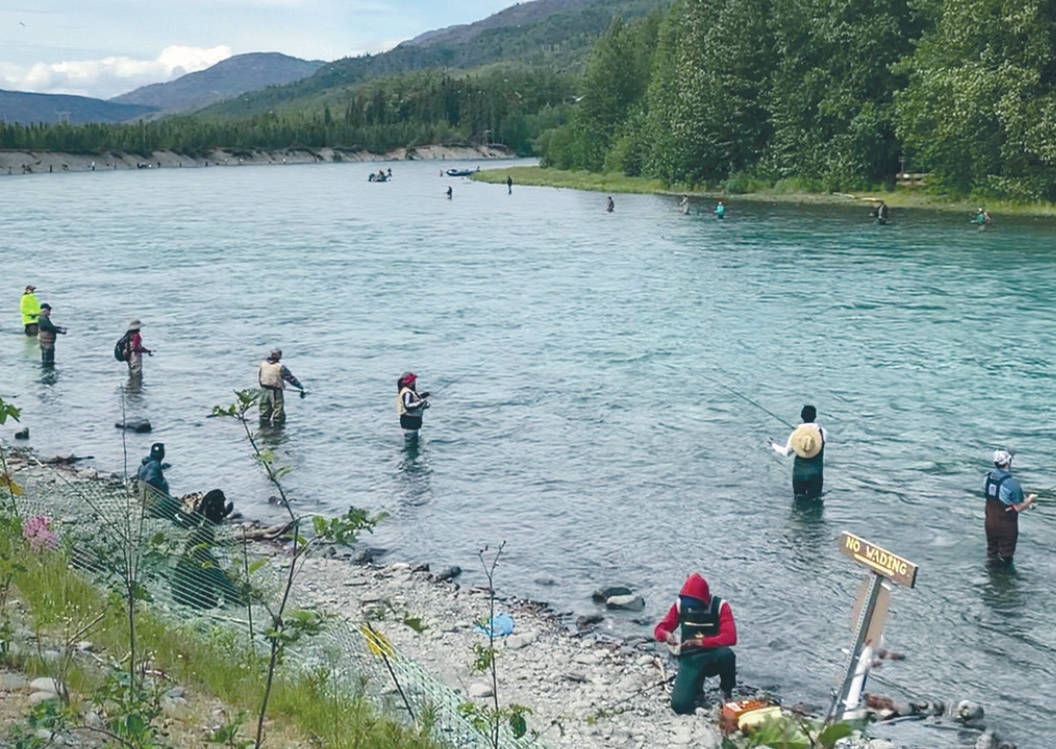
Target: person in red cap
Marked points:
700	628
410	404
30	309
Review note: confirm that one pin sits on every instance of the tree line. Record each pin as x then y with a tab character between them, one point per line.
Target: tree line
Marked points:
506	105
826	95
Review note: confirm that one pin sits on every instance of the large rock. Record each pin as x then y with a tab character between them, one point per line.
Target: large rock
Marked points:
44	684
37	697
134	425
447	573
603	594
479	690
625	602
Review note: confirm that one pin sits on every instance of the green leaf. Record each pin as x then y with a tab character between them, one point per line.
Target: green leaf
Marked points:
518	725
834	733
254	566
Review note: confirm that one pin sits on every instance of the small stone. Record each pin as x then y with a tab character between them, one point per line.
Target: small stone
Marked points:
545	581
603	594
135	425
521	640
968	711
589	621
37	697
682	734
424	567
987	740
576	676
44	684
645	660
479	690
22	435
625	602
85	646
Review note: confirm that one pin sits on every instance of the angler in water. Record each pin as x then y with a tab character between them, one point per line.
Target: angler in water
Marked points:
410	404
807	442
1004	502
272	377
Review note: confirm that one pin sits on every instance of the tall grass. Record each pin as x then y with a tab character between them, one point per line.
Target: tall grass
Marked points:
214	661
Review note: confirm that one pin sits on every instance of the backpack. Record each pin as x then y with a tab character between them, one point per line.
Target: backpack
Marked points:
121	348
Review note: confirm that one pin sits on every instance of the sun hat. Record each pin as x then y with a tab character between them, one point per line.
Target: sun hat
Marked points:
805	441
407	378
134	325
1002	457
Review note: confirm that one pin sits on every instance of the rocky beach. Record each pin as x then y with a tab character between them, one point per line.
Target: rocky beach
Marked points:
583	687
14	162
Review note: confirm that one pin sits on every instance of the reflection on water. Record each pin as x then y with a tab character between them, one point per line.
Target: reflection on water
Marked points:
1002	592
413	472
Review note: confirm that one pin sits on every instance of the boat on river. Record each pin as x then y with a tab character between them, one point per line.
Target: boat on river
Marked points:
461	172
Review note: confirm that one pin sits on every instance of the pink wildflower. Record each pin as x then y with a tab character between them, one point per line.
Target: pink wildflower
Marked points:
37	530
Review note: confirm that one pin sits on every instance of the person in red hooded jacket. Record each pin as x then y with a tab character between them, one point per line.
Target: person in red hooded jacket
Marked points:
701	627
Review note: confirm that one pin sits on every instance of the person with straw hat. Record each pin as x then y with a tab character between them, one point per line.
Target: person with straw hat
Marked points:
30	309
807	443
1004	502
135	349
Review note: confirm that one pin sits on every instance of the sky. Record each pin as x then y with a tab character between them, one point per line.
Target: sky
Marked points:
103	48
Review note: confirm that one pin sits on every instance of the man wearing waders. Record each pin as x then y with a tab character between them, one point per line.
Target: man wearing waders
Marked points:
700	630
807	442
410	404
272	378
1004	502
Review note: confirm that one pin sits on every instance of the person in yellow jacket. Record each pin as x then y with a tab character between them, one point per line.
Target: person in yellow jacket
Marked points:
272	377
30	308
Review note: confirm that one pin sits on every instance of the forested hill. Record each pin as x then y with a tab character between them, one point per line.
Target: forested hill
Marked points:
552	34
25	107
225	79
823	96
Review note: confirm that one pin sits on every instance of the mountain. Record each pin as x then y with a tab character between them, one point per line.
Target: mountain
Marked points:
26	108
554	34
227	78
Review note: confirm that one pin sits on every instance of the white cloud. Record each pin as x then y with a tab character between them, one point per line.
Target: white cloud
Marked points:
109	76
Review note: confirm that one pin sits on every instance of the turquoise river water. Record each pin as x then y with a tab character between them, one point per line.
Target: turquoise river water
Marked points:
581	365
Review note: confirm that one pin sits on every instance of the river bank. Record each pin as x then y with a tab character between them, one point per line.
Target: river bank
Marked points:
13	162
621	183
583	687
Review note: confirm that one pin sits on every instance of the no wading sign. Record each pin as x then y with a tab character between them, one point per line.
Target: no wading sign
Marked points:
870	614
881	561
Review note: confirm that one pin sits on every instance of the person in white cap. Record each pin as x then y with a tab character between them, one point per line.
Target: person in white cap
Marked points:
1004	502
136	349
272	377
807	443
30	309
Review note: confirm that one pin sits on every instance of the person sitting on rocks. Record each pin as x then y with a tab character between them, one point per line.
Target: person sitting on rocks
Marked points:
198	579
153	488
699	628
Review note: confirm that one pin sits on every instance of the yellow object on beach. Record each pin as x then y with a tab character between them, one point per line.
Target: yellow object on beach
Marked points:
806	441
377	643
754	718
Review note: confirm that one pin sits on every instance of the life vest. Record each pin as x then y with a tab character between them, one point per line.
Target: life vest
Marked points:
992	486
271	375
697	620
401	409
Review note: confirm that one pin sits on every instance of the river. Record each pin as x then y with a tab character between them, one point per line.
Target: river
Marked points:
582	365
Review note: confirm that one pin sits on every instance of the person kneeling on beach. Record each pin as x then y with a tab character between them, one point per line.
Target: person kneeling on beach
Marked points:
699	629
153	487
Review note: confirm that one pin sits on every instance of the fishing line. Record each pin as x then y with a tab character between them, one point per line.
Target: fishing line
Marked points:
749	400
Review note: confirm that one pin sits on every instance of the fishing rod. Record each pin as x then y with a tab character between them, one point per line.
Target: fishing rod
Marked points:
749	400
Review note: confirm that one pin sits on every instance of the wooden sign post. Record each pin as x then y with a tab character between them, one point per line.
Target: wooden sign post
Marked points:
882	565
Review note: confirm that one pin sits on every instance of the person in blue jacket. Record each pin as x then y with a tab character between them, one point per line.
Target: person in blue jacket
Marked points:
1004	502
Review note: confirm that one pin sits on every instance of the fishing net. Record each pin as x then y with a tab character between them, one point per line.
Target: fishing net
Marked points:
194	572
